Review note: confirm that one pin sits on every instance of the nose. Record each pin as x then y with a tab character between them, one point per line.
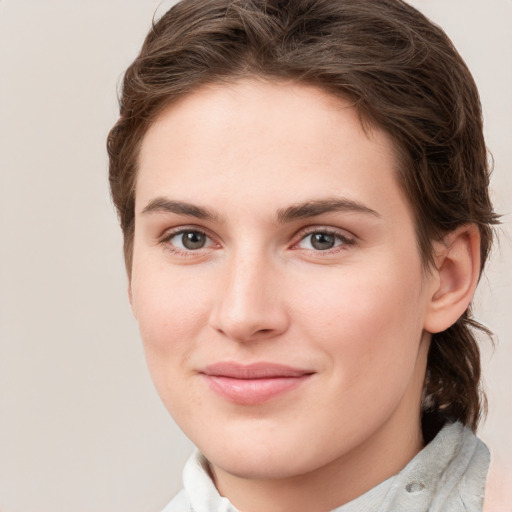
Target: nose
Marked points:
249	303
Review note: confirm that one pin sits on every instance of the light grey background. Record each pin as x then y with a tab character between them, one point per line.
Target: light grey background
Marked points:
81	427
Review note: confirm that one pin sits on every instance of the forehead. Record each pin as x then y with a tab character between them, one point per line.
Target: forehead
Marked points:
253	108
255	137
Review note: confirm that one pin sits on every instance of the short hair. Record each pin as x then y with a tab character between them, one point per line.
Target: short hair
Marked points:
402	73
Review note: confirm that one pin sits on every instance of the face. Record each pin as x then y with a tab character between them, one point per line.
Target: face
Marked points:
277	281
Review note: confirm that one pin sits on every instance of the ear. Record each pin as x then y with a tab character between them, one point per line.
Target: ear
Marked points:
130	297
454	278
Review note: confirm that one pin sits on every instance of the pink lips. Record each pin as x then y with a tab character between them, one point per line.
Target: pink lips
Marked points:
255	383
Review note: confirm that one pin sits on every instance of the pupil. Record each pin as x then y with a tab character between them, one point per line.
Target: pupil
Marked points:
322	241
193	240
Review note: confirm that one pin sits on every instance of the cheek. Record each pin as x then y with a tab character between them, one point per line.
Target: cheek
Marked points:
170	310
366	322
170	315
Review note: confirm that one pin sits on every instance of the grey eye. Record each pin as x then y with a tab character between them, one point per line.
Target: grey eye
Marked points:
322	241
193	240
189	240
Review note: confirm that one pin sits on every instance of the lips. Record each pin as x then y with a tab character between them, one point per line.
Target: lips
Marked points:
255	383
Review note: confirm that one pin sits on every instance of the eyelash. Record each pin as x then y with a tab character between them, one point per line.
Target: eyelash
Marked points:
345	241
168	236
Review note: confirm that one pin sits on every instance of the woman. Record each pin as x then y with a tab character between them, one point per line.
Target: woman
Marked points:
303	192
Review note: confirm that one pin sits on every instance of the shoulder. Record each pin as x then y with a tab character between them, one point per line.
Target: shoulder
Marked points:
180	503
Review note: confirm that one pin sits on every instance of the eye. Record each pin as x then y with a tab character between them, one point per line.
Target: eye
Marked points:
188	240
323	240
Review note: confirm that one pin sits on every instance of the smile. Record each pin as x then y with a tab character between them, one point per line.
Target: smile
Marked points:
253	384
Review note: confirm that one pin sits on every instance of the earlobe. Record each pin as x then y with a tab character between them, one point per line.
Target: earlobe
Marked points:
455	277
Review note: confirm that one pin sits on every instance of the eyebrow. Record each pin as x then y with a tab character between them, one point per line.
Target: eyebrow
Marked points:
297	211
165	205
321	206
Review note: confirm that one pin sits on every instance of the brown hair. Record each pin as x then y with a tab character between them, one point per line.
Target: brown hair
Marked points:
404	75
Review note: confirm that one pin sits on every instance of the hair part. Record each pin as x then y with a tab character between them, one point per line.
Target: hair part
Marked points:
403	75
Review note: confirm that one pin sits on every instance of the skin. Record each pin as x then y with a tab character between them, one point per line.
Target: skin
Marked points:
357	316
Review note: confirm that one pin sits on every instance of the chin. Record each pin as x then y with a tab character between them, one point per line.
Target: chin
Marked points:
266	457
260	464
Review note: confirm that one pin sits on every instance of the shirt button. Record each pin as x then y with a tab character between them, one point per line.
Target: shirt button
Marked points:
414	487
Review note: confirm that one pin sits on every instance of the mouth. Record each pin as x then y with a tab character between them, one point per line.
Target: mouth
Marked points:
255	383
